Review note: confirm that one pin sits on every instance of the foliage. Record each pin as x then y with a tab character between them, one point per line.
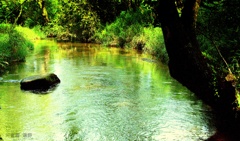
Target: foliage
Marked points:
8	11
134	28
127	25
13	45
107	10
151	40
218	35
38	32
74	19
218	29
27	12
30	34
31	15
65	19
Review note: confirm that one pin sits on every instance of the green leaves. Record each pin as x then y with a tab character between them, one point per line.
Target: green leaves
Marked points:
128	25
13	46
218	23
78	18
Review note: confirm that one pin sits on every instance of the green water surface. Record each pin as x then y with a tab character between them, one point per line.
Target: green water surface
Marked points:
105	94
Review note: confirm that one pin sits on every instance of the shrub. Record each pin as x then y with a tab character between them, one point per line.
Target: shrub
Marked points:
218	15
30	34
218	31
13	45
151	40
79	21
127	25
134	29
38	31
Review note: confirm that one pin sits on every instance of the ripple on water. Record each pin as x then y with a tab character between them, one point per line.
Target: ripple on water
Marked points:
103	96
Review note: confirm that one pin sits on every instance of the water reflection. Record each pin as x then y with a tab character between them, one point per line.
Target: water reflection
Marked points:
105	94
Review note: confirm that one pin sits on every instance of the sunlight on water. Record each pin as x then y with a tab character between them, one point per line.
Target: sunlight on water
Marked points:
105	94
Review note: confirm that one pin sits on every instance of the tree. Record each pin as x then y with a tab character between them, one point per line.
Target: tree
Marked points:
20	11
186	62
42	6
27	12
218	34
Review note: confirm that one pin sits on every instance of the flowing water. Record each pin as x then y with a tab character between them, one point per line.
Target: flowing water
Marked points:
105	94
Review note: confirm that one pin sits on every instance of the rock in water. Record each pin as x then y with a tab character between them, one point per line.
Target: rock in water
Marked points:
40	82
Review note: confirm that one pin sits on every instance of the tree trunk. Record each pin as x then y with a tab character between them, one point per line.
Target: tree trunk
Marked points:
186	63
42	6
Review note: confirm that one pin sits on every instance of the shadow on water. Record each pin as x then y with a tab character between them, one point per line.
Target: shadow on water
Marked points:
227	127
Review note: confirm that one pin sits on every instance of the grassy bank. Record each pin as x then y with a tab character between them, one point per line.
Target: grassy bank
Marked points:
134	29
15	43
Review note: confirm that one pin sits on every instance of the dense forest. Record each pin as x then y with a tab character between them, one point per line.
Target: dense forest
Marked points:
199	40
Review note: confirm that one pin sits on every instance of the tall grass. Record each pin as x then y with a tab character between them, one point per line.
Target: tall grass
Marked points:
14	45
151	41
30	34
134	29
127	25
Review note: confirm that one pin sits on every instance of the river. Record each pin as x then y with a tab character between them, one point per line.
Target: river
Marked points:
105	94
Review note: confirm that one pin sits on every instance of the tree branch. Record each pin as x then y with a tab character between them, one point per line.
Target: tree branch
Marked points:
20	13
41	4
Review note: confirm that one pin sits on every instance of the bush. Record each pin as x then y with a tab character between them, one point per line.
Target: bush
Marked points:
134	29
13	45
218	31
151	40
38	32
30	34
127	25
79	21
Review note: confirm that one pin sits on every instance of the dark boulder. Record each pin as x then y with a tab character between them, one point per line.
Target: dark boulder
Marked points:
40	82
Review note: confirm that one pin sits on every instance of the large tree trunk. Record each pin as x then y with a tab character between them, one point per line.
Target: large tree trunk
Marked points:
186	62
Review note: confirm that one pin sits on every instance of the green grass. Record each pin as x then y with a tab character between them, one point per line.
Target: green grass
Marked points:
151	41
127	25
15	43
134	29
30	34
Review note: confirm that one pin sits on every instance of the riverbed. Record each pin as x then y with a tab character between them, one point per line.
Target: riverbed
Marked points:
105	94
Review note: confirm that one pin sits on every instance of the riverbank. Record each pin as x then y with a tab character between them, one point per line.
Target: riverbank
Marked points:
21	43
15	43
